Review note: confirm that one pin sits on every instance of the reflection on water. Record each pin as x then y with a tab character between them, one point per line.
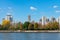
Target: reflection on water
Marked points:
29	36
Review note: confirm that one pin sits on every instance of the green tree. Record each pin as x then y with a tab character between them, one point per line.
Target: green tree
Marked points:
25	25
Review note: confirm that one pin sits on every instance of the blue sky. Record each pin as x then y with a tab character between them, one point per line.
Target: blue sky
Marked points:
20	9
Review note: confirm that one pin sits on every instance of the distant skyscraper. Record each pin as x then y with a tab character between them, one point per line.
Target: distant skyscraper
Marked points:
47	20
9	17
3	19
57	19
29	18
43	20
40	21
53	19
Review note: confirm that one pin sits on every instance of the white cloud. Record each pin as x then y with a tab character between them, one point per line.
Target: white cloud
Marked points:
33	8
55	6
58	11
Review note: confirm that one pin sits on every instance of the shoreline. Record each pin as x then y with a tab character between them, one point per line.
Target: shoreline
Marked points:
28	31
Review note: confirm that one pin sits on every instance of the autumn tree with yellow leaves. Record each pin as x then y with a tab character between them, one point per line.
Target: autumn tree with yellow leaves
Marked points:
52	26
5	24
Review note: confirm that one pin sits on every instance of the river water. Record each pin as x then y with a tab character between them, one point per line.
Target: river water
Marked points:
29	36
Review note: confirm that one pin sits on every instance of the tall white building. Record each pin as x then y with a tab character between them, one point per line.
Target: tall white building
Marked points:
43	20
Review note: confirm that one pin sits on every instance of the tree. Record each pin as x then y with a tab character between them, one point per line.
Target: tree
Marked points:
11	28
25	25
52	26
0	27
18	26
35	26
21	26
31	26
39	26
6	24
55	25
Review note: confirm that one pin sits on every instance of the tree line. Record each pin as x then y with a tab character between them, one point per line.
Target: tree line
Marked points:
6	25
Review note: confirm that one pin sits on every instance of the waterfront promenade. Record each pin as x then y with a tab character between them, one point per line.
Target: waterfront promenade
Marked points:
30	31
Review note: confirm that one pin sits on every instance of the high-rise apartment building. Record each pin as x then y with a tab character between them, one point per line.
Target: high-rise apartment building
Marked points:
43	20
29	18
9	17
53	19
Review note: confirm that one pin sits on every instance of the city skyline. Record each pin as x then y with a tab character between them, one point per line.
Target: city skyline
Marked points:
43	19
20	9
